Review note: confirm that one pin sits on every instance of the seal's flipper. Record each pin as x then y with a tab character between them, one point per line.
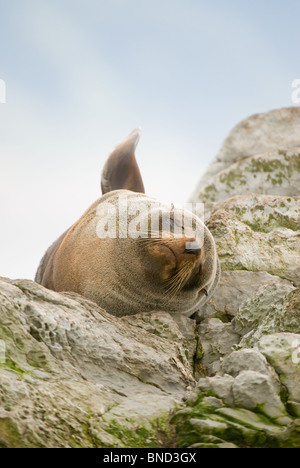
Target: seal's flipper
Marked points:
121	170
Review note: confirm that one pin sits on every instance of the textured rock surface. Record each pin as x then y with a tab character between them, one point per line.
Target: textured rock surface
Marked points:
262	213
253	390
237	288
282	350
246	380
272	173
255	135
273	310
246	241
217	339
248	403
250	394
218	424
76	376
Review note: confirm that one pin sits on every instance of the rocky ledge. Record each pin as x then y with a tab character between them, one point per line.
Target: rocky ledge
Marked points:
72	375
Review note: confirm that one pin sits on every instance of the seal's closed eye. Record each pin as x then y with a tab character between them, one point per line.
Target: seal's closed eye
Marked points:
192	248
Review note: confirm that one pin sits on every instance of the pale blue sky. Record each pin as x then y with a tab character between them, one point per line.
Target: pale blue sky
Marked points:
81	74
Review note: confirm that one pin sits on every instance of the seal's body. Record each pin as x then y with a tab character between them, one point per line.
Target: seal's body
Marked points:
130	253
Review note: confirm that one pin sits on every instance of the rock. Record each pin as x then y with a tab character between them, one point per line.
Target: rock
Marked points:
246	410
244	244
220	386
178	328
282	351
249	360
290	438
272	173
213	402
214	442
263	213
251	395
253	390
208	426
293	408
217	339
235	289
273	310
257	134
248	389
76	376
268	303
253	420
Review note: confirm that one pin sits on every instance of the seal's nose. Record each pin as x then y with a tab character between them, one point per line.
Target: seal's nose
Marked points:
175	256
192	248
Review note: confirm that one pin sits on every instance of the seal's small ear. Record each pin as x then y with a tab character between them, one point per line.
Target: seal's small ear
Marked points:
121	170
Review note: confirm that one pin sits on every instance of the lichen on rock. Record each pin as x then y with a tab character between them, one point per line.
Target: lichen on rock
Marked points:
273	173
253	212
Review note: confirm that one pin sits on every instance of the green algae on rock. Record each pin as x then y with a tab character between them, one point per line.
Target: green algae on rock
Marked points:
260	133
272	173
243	243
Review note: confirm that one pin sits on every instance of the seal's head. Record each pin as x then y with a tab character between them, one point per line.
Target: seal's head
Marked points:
155	256
131	253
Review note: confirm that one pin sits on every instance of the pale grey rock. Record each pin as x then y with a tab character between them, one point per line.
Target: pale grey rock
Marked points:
273	310
208	426
251	196
244	244
176	328
236	288
282	351
253	390
263	213
243	417
213	402
221	386
217	340
73	374
248	360
214	442
272	173
268	300
244	428
252	385
257	134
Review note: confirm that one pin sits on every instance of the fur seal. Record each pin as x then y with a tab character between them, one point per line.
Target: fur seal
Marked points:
130	253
